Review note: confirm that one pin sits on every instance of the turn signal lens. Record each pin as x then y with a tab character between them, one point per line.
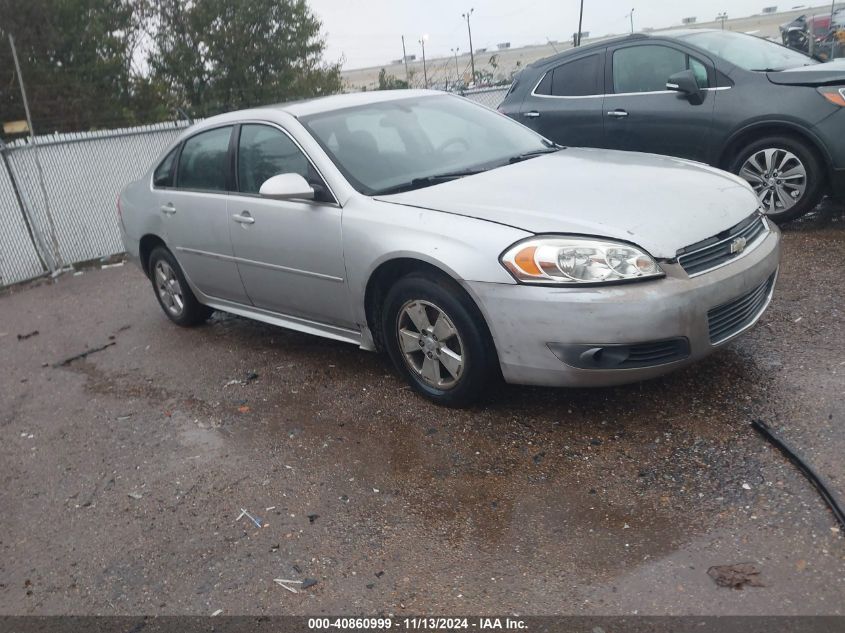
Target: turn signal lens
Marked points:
833	94
574	260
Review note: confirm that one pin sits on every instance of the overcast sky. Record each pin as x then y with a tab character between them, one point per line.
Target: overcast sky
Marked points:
367	32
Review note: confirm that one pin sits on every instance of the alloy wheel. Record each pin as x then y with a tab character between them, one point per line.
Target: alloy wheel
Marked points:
430	344
777	176
169	289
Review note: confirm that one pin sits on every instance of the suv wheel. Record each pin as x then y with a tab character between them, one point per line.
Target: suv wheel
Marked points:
172	291
437	339
784	173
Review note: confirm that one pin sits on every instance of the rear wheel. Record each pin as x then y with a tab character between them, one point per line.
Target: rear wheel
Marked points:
172	291
785	174
437	339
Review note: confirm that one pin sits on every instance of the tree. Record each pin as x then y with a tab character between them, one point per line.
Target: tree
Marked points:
217	55
76	57
390	82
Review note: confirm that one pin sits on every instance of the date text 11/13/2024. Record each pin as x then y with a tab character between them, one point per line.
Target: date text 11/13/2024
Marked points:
418	623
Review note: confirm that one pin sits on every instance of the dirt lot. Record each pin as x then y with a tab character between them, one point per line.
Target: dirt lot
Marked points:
123	473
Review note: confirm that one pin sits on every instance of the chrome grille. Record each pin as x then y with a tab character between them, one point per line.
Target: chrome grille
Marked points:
719	249
731	318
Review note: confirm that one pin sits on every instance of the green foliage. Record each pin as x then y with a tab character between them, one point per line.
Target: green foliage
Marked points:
390	82
218	55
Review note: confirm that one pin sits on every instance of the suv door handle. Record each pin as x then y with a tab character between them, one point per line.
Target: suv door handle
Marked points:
243	218
533	114
168	209
619	114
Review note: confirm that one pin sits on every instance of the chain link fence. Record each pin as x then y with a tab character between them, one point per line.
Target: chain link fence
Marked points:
58	196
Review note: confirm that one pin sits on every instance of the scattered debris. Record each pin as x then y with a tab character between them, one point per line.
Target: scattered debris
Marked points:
244	408
218	612
313	517
539	457
23	337
798	319
379	574
818	482
284	584
136	495
246	514
68	361
736	576
746	487
270	508
242	381
117	265
308	582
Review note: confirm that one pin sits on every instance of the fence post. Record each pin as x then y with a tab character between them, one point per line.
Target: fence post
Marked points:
45	256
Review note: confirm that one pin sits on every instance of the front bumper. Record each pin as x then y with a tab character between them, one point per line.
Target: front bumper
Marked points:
524	320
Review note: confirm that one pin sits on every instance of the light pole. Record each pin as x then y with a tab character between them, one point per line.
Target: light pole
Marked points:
580	18
722	17
469	31
457	71
425	72
833	38
631	15
405	61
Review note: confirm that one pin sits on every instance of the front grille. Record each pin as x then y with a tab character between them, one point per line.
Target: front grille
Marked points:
730	318
721	248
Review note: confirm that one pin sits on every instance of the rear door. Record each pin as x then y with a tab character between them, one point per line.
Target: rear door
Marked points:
195	218
566	104
289	252
641	115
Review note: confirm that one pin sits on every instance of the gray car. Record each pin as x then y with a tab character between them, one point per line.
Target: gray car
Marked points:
464	244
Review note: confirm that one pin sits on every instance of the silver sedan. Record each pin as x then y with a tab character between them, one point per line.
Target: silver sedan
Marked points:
462	243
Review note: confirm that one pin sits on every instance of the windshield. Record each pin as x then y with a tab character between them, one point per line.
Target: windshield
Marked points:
749	52
409	143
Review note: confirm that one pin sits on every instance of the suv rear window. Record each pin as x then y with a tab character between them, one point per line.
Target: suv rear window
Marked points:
578	78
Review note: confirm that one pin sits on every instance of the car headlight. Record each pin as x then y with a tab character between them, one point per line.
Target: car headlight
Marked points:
577	260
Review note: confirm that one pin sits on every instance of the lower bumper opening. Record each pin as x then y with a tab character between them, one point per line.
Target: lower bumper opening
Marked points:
629	356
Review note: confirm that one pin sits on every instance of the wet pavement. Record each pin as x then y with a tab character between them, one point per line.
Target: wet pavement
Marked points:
123	473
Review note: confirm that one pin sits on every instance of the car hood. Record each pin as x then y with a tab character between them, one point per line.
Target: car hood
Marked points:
832	72
660	203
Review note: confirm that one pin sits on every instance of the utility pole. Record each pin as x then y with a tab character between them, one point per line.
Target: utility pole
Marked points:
631	15
405	61
833	38
580	19
471	53
425	72
457	70
55	257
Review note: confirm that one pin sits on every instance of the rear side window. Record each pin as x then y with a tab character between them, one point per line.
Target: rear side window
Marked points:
163	175
579	78
204	162
648	68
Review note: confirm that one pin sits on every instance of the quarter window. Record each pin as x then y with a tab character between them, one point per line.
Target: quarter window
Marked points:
163	175
264	152
204	161
647	68
577	78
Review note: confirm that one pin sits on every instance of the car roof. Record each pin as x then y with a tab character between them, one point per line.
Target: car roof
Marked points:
611	41
307	107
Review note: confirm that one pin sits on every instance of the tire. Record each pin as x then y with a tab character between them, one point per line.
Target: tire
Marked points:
463	334
789	154
171	290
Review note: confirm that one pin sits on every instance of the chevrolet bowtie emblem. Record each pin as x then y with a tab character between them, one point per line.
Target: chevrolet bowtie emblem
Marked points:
738	245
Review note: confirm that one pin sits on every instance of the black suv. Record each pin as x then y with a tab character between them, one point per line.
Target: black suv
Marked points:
771	114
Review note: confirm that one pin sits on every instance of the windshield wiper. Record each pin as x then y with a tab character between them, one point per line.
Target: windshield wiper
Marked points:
426	181
537	152
766	70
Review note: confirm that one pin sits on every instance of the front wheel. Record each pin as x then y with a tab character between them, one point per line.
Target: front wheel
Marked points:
437	339
785	174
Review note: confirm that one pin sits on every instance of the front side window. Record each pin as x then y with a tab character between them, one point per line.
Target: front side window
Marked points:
163	175
392	144
577	78
204	161
264	152
648	68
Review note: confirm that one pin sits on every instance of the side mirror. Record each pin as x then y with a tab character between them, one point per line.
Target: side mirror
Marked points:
685	83
287	187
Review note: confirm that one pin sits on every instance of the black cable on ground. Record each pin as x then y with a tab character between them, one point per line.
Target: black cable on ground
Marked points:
818	482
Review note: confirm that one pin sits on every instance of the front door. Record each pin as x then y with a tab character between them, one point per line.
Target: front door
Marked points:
641	115
566	105
195	216
289	253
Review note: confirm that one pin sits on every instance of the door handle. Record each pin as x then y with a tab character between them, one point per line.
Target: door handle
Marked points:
244	218
533	114
168	209
618	114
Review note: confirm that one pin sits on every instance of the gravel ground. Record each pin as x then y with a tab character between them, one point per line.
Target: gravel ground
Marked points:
123	473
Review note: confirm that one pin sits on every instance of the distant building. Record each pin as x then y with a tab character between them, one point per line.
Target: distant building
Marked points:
767	10
690	20
503	46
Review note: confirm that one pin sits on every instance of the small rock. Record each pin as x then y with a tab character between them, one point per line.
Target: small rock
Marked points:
313	517
136	495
